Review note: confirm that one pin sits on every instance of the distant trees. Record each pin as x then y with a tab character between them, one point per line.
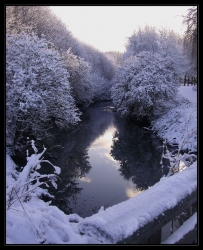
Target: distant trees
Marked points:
37	87
101	73
115	57
19	19
79	71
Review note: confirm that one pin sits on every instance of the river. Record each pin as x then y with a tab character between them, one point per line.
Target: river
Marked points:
104	160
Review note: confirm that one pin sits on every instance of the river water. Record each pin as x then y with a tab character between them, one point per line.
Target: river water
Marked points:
103	161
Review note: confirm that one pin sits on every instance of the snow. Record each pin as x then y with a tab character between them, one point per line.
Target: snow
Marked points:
189	93
177	235
180	122
38	222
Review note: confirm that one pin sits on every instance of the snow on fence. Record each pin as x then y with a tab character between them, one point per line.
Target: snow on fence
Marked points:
139	220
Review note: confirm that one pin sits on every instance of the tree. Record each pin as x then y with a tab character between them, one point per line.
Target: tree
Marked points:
163	41
79	71
115	57
171	45
18	19
45	24
144	86
190	38
37	87
144	39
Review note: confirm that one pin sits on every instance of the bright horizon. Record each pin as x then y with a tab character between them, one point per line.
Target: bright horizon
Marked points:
107	27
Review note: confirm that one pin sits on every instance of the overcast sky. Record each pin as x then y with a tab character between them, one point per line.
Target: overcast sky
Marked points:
107	27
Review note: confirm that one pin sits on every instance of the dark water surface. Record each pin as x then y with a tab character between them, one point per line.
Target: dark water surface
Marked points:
103	161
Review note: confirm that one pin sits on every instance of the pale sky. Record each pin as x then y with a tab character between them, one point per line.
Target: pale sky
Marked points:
107	27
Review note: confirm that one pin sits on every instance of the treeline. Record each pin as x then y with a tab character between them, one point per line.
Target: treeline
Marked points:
50	75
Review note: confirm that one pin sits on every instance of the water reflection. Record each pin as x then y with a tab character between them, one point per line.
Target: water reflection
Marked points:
73	158
132	192
138	154
103	161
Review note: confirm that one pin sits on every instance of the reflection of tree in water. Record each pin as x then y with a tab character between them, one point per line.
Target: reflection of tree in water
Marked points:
69	151
138	154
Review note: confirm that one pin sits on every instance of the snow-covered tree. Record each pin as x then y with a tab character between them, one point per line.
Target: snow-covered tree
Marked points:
20	18
162	41
45	24
143	39
37	87
99	63
171	45
101	73
42	21
79	71
190	38
115	57
144	85
100	87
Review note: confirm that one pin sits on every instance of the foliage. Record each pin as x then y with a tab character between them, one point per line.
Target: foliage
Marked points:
101	73
143	39
162	41
100	87
171	45
41	21
45	24
115	57
37	87
144	85
99	62
79	71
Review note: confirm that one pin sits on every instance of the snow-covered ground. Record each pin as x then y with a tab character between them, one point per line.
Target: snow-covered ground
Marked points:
179	126
37	222
189	93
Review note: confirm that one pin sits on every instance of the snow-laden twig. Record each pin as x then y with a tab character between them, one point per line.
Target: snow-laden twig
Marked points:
28	179
179	160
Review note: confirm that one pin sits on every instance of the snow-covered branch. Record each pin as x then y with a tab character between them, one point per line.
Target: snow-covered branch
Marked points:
29	179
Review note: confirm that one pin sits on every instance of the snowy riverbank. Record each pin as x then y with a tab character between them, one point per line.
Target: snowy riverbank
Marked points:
180	124
37	222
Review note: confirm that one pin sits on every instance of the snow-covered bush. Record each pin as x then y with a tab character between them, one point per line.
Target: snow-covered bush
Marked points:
144	85
29	180
37	87
178	159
